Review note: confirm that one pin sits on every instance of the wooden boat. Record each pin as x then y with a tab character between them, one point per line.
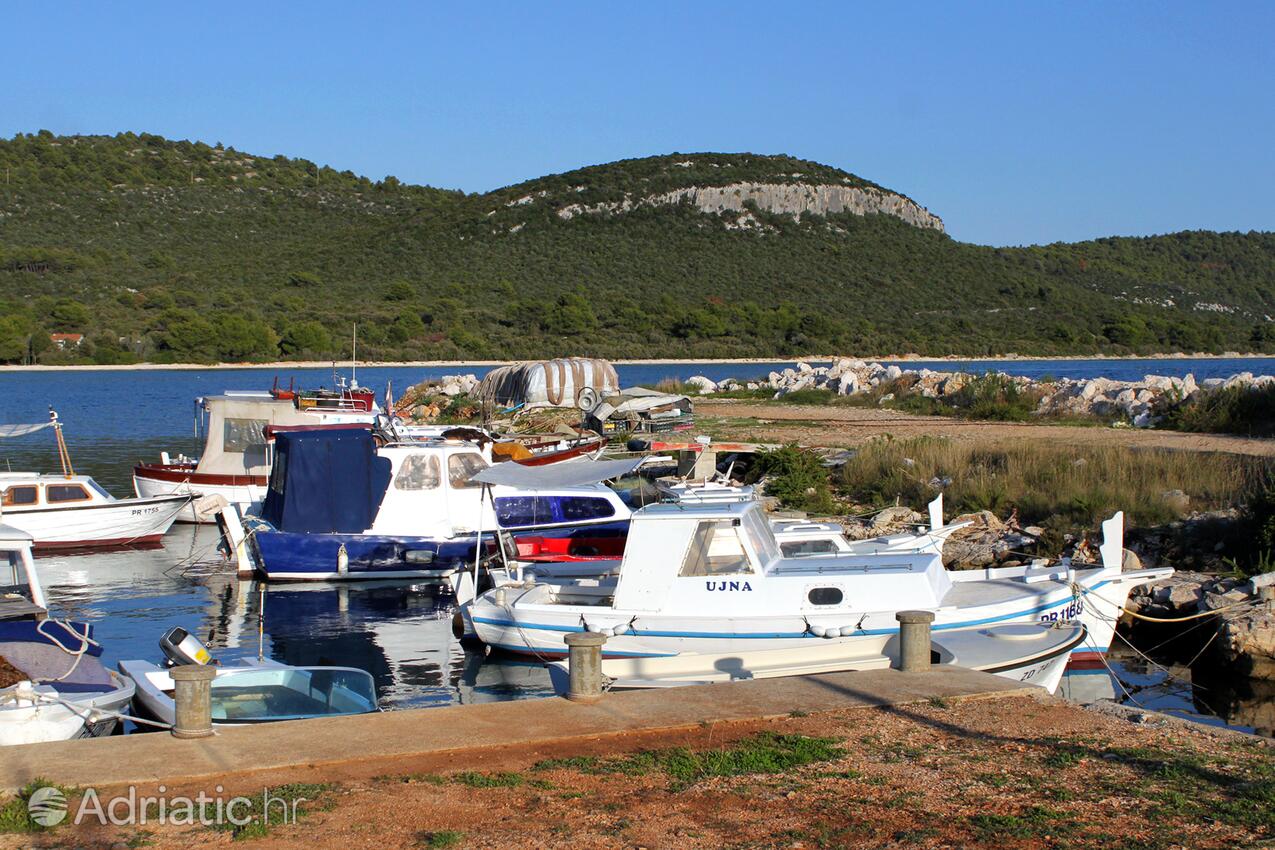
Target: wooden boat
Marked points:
1033	653
70	511
66	692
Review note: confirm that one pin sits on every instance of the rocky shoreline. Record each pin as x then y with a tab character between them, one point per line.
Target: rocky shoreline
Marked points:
1136	402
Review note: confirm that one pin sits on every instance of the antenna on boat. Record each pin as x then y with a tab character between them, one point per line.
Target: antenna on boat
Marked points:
63	455
354	359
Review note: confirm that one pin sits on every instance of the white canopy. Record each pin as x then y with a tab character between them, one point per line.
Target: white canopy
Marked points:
23	430
566	473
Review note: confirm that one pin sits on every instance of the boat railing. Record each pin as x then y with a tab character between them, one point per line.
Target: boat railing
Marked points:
837	566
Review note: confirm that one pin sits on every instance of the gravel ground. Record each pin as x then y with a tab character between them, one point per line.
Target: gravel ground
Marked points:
844	426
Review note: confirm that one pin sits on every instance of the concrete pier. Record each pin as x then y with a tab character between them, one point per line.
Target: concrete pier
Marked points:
374	743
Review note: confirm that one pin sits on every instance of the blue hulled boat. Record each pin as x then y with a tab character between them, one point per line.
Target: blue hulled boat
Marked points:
340	507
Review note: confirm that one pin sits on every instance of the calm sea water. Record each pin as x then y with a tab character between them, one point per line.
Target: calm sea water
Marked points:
398	631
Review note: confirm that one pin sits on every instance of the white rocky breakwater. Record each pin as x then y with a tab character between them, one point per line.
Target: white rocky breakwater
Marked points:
1097	396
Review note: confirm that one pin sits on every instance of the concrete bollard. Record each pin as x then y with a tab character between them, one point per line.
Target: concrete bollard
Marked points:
192	695
914	640
1266	593
584	666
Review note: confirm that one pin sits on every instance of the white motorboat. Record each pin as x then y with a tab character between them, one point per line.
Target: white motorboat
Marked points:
70	511
712	579
251	690
1033	653
341	508
75	512
55	685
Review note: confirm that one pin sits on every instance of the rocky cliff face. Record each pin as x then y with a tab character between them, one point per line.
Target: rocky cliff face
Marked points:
782	198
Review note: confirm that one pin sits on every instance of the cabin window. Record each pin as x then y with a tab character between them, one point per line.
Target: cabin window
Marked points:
65	493
460	468
825	596
514	511
805	548
24	495
715	550
576	508
240	435
418	472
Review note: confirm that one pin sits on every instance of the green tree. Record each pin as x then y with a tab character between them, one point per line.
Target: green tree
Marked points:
306	338
571	315
70	315
240	338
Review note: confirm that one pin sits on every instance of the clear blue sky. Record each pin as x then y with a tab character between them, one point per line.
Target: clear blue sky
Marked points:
1016	122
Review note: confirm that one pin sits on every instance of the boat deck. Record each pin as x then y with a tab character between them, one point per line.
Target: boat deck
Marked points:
19	607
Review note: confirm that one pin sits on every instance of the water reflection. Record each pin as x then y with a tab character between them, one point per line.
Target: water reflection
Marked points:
399	631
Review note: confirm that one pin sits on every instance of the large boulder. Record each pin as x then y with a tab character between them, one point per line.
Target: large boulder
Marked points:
848	383
896	519
703	384
1248	641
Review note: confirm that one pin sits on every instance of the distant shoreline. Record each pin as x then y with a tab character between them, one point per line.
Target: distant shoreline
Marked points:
380	364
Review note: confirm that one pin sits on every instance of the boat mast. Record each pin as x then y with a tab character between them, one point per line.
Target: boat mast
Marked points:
63	455
354	359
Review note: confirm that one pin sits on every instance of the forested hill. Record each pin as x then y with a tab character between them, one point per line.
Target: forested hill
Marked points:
179	251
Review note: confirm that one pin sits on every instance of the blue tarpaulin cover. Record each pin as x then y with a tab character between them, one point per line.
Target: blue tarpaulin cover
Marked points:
325	481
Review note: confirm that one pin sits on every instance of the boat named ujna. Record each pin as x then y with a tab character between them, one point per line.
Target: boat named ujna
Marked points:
713	578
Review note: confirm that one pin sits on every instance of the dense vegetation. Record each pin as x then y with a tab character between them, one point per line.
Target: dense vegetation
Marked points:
181	251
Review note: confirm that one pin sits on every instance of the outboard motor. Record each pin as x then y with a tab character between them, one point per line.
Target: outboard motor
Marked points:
181	648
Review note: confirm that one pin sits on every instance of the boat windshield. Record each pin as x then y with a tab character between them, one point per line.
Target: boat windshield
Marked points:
100	490
291	693
761	537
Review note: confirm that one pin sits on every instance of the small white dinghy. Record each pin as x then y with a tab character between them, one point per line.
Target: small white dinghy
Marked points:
66	692
1032	653
251	691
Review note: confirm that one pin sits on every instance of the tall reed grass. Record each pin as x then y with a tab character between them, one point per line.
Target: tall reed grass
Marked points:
1063	487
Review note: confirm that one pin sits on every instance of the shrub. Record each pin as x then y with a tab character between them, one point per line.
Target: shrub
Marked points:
1228	410
796	477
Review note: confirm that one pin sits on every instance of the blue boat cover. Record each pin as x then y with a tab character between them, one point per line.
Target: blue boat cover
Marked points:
324	481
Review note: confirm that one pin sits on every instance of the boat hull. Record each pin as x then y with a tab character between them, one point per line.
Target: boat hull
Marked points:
78	715
1029	653
120	522
1095	601
156	479
289	556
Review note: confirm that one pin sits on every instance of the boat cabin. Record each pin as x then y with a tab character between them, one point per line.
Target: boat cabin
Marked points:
338	480
724	559
234	426
25	491
21	595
